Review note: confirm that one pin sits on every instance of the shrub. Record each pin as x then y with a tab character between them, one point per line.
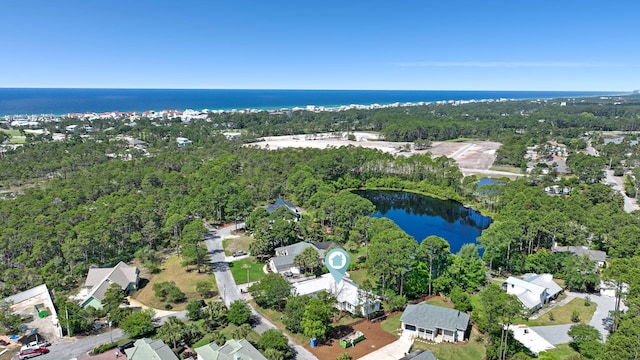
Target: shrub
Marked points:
104	347
167	290
587	301
575	316
551	316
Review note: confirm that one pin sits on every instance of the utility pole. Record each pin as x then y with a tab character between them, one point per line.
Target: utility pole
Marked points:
66	310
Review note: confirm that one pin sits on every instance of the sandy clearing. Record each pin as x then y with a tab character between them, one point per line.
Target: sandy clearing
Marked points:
472	156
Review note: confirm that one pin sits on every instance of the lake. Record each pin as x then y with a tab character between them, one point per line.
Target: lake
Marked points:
421	216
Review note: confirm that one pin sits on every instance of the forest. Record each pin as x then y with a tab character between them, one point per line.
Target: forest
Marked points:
94	200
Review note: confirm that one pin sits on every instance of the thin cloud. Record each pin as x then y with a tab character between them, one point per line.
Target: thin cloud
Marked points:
508	64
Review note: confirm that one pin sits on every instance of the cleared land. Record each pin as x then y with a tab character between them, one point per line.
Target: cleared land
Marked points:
172	270
473	157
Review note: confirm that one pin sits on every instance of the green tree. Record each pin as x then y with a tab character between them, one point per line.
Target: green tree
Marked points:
460	299
308	259
586	340
171	331
242	331
467	269
8	319
271	291
317	316
194	310
139	323
274	339
215	315
239	312
294	312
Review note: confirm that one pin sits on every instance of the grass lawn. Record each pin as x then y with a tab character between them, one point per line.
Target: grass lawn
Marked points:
12	132
510	169
438	302
359	276
172	270
562	314
240	273
473	350
392	324
561	352
240	243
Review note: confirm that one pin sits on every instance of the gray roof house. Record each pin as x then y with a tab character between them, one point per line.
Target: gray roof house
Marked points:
231	350
147	349
285	255
533	290
419	355
600	257
281	202
434	323
99	280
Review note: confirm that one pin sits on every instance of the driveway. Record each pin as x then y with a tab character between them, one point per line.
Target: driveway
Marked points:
228	288
557	334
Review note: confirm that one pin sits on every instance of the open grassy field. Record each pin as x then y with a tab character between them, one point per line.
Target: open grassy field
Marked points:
561	352
562	314
11	132
511	169
238	243
172	270
437	301
472	350
239	271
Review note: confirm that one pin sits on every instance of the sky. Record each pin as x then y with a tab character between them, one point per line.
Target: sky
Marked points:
348	44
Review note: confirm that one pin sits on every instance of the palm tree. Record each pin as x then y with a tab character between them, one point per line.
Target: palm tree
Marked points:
241	331
172	331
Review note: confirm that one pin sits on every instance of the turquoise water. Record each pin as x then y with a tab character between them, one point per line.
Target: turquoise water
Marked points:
64	101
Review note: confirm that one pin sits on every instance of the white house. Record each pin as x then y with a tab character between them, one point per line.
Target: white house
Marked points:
533	290
348	295
182	142
434	323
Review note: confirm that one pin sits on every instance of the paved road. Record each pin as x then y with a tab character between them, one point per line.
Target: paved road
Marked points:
72	348
229	290
617	183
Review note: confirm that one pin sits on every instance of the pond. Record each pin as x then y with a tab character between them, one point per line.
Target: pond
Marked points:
421	216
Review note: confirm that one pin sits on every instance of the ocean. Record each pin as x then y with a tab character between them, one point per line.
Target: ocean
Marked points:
63	101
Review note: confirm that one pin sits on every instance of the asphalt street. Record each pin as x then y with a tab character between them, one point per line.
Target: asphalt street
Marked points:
229	290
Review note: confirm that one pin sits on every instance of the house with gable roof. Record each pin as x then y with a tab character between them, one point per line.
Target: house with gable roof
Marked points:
434	323
281	202
99	280
285	255
533	290
597	256
147	349
231	350
349	297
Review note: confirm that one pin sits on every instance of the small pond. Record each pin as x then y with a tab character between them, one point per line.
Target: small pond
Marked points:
421	216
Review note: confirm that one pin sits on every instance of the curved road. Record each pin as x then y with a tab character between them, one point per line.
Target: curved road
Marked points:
228	289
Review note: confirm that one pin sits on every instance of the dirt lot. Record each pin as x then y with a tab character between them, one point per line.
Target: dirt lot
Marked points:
375	338
470	156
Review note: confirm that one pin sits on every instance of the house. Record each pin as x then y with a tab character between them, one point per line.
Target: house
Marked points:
99	280
285	255
281	202
182	142
533	290
147	349
231	350
434	323
598	256
347	293
419	355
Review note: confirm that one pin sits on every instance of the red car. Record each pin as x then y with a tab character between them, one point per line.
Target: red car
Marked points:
32	352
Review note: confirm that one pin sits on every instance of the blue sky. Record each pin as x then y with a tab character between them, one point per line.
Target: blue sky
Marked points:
348	44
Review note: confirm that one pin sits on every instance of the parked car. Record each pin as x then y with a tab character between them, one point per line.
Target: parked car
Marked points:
32	352
239	253
39	343
123	347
